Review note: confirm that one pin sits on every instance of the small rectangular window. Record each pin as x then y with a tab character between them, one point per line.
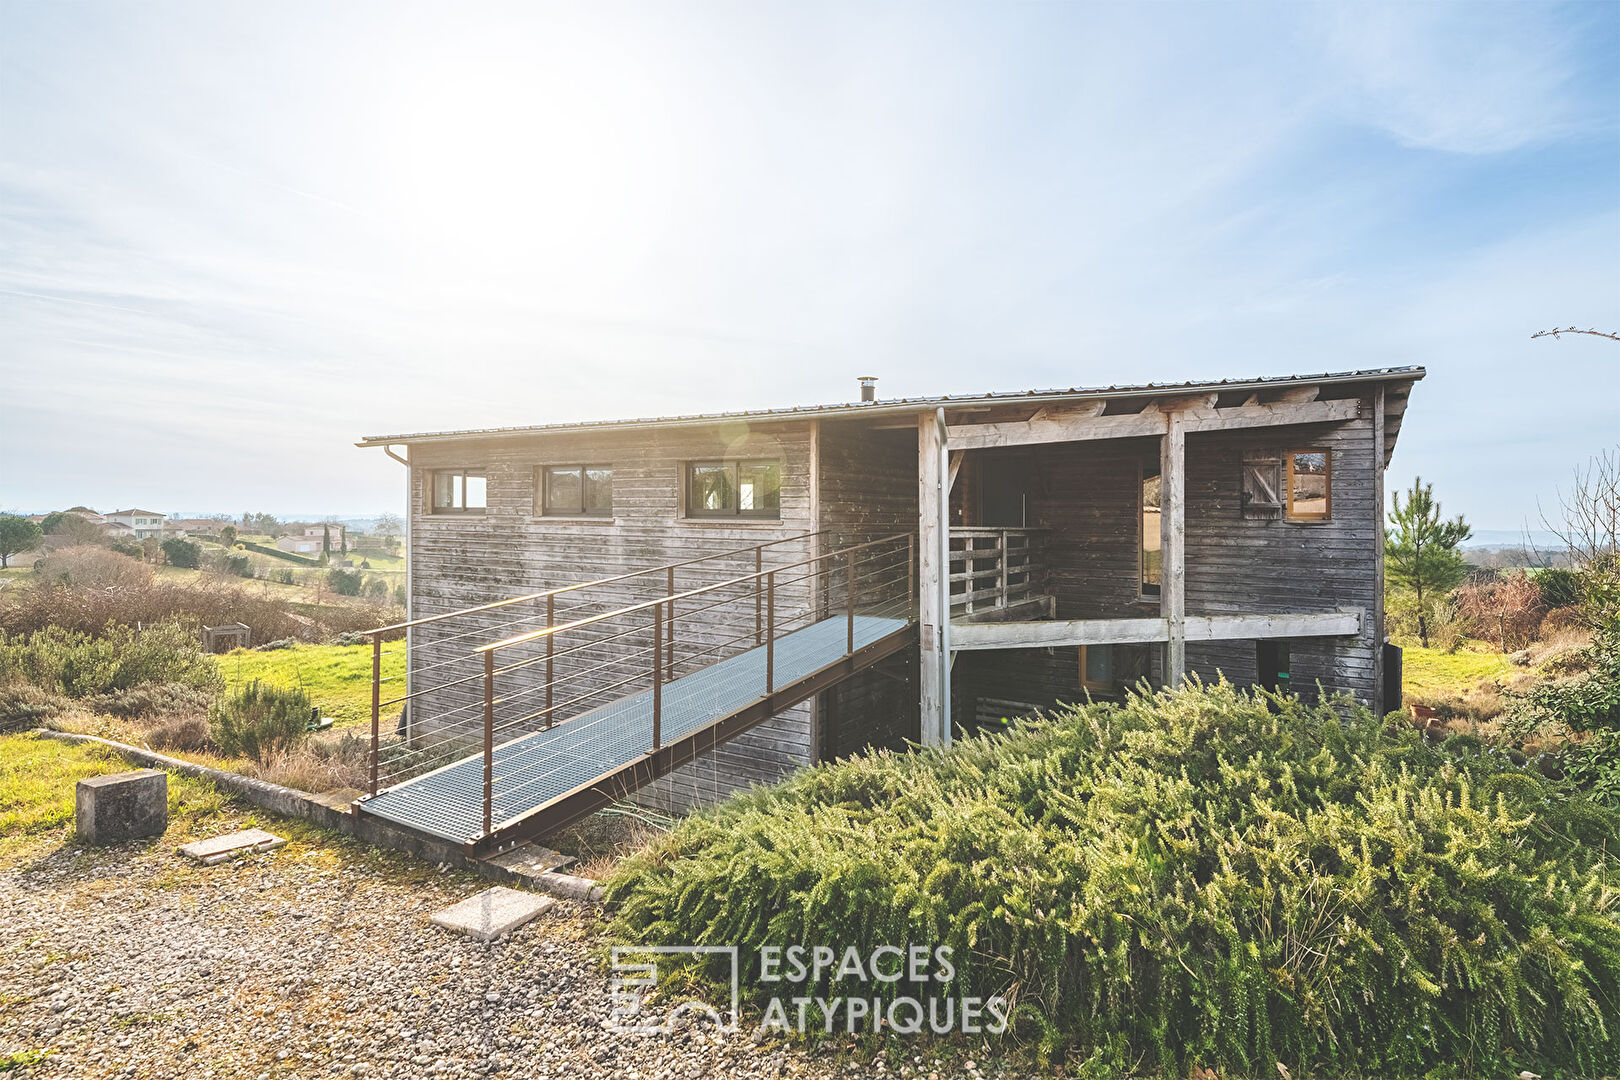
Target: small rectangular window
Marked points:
734	489
1151	557
1097	667
576	491
1310	485
459	491
1262	485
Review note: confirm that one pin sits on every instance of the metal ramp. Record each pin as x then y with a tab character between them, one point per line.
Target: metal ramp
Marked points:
546	778
633	705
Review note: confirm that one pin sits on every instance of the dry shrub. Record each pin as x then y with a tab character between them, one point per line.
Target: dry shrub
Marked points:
601	841
318	766
90	610
1506	609
181	734
92	567
1561	619
24	706
153	700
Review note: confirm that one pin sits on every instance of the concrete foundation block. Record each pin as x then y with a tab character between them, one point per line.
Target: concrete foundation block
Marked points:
121	806
492	912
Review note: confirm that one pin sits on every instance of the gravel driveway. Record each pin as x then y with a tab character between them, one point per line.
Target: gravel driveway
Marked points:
317	960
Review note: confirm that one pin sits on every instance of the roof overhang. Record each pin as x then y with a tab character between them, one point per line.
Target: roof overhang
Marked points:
900	406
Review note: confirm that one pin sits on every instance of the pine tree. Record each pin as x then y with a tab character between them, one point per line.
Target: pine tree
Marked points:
326	540
1420	552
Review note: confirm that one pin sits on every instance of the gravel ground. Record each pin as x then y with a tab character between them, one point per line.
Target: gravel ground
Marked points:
317	960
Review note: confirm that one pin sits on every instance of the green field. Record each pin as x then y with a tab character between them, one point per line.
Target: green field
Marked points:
336	677
1431	671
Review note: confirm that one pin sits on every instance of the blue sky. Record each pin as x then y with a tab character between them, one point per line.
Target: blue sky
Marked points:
234	238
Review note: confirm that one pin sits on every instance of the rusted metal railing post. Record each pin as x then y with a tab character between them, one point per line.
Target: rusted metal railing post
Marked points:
849	598
489	741
376	707
669	639
551	655
759	565
658	675
770	632
911	573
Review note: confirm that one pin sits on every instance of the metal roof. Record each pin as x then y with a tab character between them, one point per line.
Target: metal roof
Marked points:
904	405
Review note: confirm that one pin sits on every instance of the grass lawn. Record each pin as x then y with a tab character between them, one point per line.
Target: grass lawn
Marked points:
182	576
1431	671
336	677
37	777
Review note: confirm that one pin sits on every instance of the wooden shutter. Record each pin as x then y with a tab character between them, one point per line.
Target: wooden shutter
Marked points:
1262	485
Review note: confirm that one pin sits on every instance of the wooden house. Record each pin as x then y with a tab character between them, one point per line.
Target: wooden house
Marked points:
1039	546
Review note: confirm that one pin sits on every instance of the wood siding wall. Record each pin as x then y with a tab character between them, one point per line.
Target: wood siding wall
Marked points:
458	561
1086	495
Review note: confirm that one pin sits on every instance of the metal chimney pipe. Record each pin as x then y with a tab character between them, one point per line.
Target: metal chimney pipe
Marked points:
868	387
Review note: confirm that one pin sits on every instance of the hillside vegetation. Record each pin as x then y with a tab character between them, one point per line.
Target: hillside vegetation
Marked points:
1199	879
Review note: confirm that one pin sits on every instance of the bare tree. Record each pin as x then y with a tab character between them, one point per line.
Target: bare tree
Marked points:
1589	525
1553	333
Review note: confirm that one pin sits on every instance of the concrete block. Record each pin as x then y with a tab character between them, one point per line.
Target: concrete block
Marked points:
219	848
121	806
492	912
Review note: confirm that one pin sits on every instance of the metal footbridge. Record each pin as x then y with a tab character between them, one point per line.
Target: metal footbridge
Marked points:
517	737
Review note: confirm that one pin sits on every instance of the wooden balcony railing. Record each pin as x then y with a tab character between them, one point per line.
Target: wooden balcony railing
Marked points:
995	570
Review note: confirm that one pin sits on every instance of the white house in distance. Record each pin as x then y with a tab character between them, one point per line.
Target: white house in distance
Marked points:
143	524
313	540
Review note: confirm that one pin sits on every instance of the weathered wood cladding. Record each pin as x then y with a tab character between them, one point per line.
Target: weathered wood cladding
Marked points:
461	560
1086	496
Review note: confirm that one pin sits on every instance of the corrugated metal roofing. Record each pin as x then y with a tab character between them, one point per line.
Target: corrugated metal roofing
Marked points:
902	405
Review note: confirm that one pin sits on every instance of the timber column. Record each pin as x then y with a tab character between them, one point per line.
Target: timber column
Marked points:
933	580
1173	545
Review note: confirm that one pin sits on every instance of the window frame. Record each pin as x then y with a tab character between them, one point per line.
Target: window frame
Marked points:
542	491
1288	484
1092	684
461	471
735	513
1142	595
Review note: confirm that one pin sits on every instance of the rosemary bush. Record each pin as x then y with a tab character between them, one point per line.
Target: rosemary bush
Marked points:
1194	878
260	720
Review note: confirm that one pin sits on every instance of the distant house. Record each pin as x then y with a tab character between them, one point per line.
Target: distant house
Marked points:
312	539
144	524
188	526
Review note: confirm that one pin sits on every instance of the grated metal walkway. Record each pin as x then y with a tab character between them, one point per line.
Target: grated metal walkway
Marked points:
536	769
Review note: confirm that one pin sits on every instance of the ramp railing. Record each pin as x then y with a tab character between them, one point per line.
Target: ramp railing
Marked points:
436	689
535	680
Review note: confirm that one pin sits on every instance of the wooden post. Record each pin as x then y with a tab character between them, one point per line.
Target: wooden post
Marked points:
1173	546
933	579
770	632
551	653
911	576
489	741
658	675
376	698
1379	449
1002	599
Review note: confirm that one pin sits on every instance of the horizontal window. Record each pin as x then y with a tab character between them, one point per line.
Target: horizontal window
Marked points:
459	491
576	491
750	489
1310	485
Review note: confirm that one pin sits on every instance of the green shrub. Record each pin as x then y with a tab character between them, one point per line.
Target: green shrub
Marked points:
1589	701
1200	877
1593	766
152	699
1558	586
182	553
23	706
78	665
344	582
259	720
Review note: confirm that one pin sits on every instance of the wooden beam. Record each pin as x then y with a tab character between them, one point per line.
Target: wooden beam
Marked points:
1378	547
1285	625
933	579
1173	547
1198	418
1058	633
956	467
